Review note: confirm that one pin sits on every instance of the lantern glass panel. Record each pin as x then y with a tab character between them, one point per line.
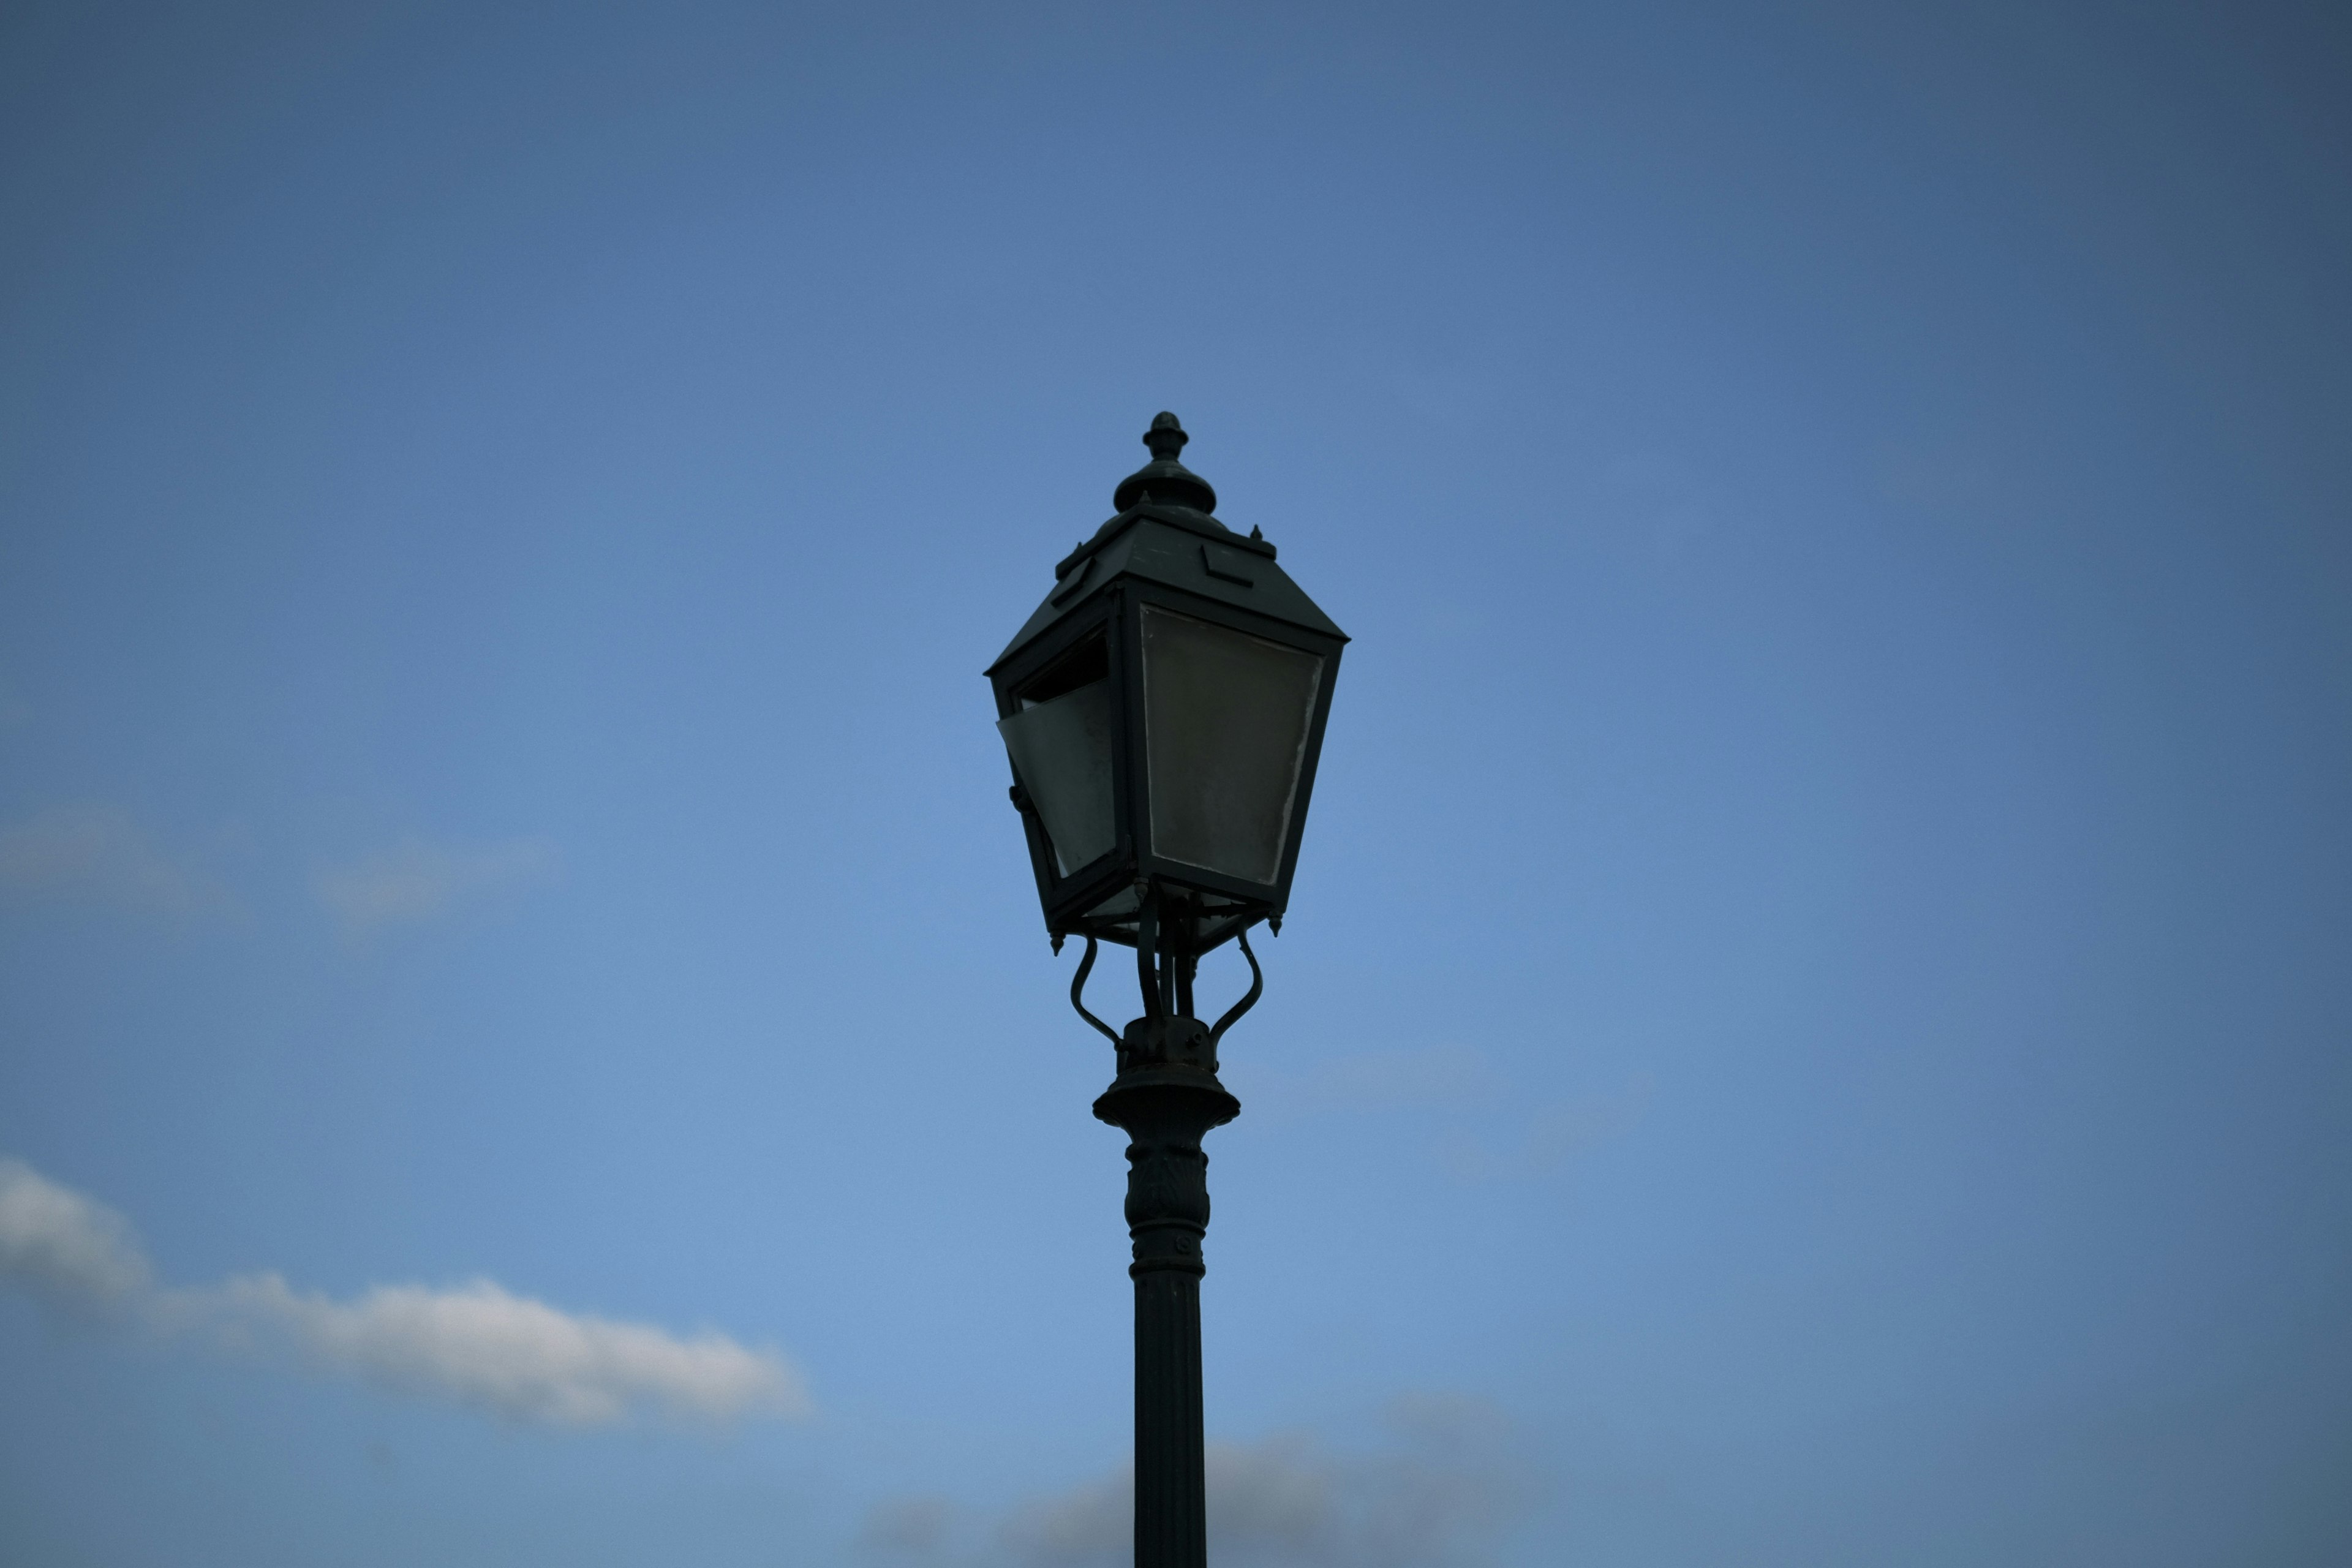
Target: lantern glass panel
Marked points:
1226	722
1061	748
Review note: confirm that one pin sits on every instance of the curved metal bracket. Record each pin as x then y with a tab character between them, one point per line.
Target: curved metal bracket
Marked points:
1077	987
1258	988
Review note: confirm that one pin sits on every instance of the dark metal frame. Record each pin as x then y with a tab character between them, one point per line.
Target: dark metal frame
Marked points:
1215	908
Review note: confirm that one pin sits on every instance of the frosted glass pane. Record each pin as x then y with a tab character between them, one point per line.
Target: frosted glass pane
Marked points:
1225	719
1061	748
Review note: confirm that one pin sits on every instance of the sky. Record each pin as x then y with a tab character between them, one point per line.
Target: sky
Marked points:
1812	1023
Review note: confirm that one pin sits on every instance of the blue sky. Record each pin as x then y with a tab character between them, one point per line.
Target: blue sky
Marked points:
1812	1025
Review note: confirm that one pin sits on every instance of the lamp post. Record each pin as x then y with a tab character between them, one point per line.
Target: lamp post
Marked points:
1163	710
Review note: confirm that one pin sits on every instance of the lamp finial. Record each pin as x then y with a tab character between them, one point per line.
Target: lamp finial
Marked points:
1166	437
1164	479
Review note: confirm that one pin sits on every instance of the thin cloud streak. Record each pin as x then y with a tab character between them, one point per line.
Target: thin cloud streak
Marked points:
93	853
1490	1131
1548	1137
476	1344
414	881
908	1526
1412	1077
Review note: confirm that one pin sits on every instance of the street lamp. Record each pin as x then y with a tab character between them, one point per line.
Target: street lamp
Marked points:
1163	710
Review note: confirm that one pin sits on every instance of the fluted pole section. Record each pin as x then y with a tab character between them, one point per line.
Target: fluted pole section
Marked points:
1167	1096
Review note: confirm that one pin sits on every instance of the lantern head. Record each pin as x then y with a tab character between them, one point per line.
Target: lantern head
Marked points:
1163	710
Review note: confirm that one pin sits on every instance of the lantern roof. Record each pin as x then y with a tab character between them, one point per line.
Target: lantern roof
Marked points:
1164	532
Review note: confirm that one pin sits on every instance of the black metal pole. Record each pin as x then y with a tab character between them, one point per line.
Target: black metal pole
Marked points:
1166	1096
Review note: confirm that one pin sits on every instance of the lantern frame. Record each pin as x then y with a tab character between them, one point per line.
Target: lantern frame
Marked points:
1177	559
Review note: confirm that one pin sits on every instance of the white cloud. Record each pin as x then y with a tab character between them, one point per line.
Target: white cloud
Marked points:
71	1250
517	1358
1446	1486
416	881
475	1344
94	853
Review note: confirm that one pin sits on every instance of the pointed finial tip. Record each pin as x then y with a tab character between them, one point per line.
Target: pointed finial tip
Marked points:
1166	437
1164	478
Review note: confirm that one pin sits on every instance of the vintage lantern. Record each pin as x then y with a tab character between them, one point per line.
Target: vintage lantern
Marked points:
1164	710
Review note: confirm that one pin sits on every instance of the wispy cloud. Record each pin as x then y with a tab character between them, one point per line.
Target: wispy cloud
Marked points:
514	1357
416	881
1440	1074
1439	1481
475	1344
908	1526
1448	1481
1547	1136
99	853
69	1249
1486	1128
